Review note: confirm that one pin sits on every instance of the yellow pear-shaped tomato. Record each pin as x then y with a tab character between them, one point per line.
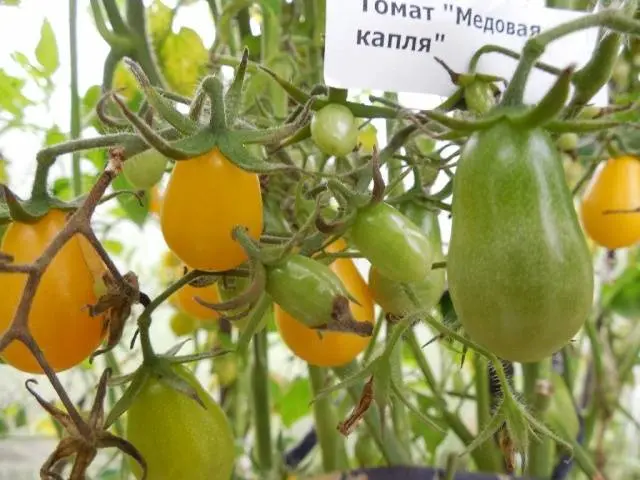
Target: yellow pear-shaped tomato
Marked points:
615	186
330	349
207	197
186	302
59	320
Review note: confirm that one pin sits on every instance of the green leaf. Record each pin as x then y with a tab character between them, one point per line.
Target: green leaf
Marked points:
20	417
90	99
12	100
113	246
133	209
54	136
294	403
47	49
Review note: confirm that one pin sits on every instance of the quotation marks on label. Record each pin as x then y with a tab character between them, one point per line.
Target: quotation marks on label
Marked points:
398	41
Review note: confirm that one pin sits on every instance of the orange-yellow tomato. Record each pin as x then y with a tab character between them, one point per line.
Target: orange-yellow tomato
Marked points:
155	201
59	320
615	186
330	349
186	302
206	197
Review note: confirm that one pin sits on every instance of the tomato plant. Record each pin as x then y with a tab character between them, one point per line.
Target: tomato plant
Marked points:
504	209
185	300
334	130
328	349
59	320
368	138
609	203
182	324
145	169
207	197
178	437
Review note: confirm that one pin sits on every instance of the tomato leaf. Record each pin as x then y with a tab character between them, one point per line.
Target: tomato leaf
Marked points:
243	158
12	100
137	211
47	49
294	403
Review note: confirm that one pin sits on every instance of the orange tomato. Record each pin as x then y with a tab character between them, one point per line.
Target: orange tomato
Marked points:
206	197
155	200
186	302
59	320
330	349
615	186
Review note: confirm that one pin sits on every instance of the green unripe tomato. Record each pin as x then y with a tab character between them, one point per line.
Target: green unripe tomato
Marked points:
589	112
145	169
368	138
519	270
392	243
479	97
176	436
182	324
305	288
567	142
334	130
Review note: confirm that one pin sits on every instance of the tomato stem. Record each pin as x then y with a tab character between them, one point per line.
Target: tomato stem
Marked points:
75	100
261	403
488	449
537	390
334	456
401	424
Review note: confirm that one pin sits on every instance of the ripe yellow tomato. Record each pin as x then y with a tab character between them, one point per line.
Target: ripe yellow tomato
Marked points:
59	320
155	200
615	186
330	349
206	197
186	302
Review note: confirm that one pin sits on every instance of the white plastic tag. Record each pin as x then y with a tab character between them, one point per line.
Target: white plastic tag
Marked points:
391	44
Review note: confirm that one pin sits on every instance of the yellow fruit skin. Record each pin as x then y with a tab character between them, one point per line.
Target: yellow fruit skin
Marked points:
614	186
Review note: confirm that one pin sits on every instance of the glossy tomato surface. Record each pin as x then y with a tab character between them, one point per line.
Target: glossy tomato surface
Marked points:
177	437
334	130
614	186
185	300
330	349
392	243
519	269
206	197
59	320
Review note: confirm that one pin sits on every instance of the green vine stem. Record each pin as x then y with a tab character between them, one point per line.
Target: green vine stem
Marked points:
484	408
261	403
483	459
388	444
538	391
145	54
400	419
75	99
535	46
334	455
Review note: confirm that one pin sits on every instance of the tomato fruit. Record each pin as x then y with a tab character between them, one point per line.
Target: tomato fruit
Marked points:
305	288
392	243
155	201
479	97
519	269
334	130
561	413
573	169
390	294
614	186
59	320
368	138
145	169
176	436
186	302
182	324
330	349
567	142
206	197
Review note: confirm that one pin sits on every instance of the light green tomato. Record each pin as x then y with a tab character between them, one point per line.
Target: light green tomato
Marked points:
145	169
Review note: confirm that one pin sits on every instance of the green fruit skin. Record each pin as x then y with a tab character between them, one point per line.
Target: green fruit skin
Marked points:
479	97
145	169
561	413
390	295
519	269
176	436
305	289
334	130
392	243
